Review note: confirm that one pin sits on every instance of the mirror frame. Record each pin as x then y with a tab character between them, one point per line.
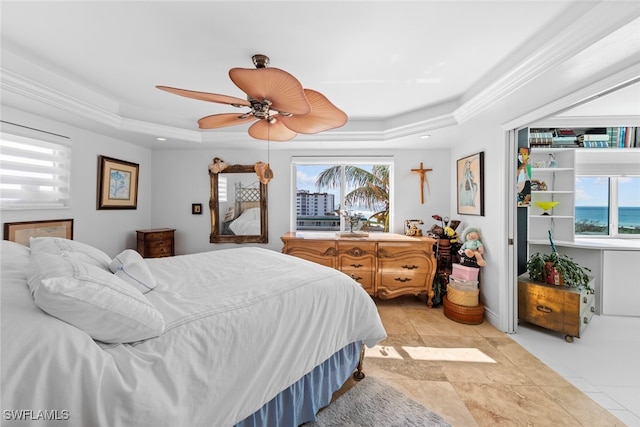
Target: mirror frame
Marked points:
215	236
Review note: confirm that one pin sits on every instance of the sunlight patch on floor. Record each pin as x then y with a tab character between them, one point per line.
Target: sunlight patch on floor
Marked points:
448	354
382	352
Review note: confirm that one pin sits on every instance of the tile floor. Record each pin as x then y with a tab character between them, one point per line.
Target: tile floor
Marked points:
476	375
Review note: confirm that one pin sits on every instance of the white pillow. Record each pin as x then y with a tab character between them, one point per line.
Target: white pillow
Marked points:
131	267
96	301
14	259
72	249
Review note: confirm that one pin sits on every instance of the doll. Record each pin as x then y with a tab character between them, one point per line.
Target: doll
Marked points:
472	246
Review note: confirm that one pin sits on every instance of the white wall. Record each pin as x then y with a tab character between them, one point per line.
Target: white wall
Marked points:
484	135
180	178
110	230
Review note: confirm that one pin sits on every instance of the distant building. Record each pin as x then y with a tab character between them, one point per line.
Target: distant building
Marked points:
314	204
316	211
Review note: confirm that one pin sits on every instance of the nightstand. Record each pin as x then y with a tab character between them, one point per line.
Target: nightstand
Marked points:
156	242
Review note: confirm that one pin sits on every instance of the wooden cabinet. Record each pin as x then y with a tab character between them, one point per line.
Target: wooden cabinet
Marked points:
156	242
386	265
563	309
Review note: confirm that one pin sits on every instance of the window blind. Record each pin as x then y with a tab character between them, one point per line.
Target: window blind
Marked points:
34	173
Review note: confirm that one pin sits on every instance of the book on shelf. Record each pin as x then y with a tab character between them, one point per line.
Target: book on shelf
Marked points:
564	132
596	144
627	137
564	140
592	137
540	137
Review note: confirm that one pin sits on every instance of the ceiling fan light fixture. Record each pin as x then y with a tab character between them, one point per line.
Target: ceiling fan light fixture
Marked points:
260	61
270	92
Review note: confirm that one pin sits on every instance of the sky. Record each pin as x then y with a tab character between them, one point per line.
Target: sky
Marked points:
593	191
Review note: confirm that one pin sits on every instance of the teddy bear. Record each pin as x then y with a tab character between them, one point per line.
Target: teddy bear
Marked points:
472	246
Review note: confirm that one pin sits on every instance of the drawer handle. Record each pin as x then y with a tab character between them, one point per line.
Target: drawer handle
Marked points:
585	320
410	267
584	299
544	309
402	279
356	265
357	279
593	309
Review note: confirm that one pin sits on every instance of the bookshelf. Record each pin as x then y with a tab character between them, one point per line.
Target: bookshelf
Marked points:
572	137
552	180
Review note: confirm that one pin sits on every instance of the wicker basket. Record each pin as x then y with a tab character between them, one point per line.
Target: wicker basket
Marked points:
464	298
462	314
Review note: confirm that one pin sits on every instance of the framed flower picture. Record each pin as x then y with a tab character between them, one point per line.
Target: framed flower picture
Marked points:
117	184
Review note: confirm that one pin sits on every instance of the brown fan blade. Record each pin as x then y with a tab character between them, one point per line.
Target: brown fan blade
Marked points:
271	132
283	90
206	96
223	120
323	116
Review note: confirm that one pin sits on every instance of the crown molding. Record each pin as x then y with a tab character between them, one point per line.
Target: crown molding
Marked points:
543	114
601	21
38	92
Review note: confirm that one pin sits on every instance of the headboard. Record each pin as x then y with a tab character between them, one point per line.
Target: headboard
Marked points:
247	197
21	232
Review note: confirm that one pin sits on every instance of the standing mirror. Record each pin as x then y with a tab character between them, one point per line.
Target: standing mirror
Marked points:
238	206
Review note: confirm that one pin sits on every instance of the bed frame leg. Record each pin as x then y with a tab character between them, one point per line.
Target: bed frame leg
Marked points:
358	374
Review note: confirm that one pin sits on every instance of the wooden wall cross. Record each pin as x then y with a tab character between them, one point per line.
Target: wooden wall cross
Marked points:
423	178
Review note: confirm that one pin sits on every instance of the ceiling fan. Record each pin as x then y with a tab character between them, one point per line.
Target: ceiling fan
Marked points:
277	100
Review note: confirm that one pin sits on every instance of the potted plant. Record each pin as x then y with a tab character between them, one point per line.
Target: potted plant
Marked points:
557	269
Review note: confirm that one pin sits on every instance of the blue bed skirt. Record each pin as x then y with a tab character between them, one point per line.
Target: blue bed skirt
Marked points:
300	403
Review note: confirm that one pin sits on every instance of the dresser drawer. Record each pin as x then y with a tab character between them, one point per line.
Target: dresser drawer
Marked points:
158	235
400	279
542	306
158	248
559	308
318	251
358	260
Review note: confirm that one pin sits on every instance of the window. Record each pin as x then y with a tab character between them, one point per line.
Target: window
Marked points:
34	173
607	206
327	188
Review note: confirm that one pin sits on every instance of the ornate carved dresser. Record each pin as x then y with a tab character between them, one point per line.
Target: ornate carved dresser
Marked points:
386	265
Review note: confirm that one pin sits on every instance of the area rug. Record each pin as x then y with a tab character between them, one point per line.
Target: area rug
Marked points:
373	403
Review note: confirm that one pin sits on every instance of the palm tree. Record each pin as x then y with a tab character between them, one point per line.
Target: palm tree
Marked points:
371	189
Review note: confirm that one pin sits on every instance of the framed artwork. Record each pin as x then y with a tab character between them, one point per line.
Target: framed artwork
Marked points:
523	177
196	208
117	184
21	232
470	184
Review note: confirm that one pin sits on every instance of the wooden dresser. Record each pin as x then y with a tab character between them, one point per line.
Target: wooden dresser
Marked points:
156	242
563	309
386	265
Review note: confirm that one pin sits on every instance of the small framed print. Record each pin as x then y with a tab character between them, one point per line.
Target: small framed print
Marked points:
196	208
117	184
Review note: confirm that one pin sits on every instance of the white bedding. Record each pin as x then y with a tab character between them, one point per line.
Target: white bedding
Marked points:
247	224
240	326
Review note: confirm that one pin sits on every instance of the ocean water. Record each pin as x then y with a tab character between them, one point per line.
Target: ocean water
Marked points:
627	216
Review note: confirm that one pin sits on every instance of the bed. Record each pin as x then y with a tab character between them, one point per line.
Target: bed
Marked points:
243	336
243	219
